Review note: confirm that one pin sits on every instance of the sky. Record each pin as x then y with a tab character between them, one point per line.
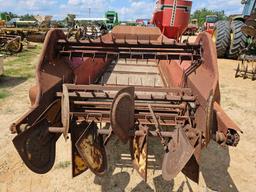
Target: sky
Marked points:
127	9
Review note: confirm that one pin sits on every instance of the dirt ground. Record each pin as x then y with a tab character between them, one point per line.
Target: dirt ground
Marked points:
222	169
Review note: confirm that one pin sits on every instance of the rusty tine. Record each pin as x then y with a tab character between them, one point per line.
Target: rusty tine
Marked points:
82	56
70	55
93	57
245	72
125	42
237	70
90	40
101	41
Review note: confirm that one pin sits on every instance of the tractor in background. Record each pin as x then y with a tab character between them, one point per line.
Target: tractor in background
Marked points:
209	24
229	37
3	19
112	19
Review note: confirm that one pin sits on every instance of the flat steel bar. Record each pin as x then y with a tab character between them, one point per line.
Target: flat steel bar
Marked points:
133	49
94	87
104	95
132	72
165	105
155	44
130	55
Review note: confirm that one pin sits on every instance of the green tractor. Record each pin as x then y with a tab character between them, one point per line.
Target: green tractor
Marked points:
112	19
3	19
229	37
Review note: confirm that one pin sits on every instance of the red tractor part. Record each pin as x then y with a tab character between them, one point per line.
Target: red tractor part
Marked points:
172	17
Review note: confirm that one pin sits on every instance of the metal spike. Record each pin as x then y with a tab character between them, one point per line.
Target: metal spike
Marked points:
70	55
82	56
237	70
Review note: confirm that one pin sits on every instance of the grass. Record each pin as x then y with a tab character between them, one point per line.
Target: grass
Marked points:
23	64
63	165
4	93
18	68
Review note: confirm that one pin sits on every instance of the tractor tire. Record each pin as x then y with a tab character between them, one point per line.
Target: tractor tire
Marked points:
221	37
237	39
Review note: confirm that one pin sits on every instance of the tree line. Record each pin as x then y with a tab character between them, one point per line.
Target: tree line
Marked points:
201	14
198	14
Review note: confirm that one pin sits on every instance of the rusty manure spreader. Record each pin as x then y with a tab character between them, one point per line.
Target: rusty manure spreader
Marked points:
132	84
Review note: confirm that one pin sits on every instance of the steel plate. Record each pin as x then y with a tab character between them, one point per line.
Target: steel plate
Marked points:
191	169
139	153
179	152
122	113
36	147
78	164
91	148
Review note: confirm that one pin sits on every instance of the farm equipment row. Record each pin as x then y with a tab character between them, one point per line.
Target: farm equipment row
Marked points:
10	43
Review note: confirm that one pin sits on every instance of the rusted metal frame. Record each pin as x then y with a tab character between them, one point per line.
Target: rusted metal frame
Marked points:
121	44
195	65
104	95
157	125
166	119
224	121
169	108
132	72
137	108
137	88
133	49
114	55
167	134
134	65
137	104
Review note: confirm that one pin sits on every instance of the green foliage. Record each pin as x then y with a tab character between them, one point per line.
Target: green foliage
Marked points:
201	14
27	17
9	15
3	94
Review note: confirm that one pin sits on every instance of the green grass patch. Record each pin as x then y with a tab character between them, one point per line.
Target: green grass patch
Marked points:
23	64
63	165
18	68
4	94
